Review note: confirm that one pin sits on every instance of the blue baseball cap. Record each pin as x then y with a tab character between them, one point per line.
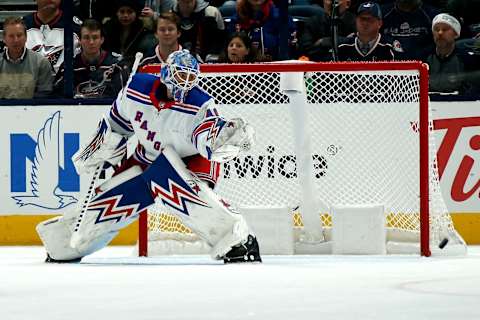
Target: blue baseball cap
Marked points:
370	7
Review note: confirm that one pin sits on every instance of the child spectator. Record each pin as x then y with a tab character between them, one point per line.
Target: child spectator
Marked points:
260	19
409	24
316	40
239	49
97	73
24	73
202	29
125	33
368	44
167	34
446	67
45	31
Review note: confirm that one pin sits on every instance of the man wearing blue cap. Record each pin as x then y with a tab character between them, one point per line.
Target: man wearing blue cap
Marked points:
368	44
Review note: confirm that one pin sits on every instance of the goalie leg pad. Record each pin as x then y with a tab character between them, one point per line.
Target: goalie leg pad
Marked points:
195	204
55	234
117	203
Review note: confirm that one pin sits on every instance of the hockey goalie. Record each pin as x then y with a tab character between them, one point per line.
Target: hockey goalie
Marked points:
181	142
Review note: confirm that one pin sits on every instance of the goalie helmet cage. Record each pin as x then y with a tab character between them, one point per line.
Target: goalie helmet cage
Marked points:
339	134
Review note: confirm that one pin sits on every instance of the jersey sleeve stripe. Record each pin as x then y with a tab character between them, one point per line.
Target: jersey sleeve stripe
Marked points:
187	106
140	155
212	112
206	177
138	96
182	110
118	119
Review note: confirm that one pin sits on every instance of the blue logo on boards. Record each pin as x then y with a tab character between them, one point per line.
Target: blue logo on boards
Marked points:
37	171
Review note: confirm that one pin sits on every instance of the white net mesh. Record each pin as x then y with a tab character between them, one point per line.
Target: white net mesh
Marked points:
363	128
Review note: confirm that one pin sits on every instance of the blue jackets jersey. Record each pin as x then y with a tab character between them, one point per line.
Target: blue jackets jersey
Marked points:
380	51
412	30
47	39
102	79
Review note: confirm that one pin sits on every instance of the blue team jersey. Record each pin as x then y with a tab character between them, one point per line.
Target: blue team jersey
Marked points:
380	51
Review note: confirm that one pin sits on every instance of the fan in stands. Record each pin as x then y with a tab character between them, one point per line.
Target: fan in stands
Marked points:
181	142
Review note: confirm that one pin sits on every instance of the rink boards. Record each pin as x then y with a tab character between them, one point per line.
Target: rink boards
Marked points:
38	179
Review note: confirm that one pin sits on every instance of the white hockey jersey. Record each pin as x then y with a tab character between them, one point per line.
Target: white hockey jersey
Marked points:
48	39
156	121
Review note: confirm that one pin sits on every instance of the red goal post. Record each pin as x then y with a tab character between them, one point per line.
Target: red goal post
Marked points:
341	102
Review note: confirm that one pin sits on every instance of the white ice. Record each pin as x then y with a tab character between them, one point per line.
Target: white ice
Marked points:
111	284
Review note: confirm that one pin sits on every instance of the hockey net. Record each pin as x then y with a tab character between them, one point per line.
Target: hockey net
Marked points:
360	127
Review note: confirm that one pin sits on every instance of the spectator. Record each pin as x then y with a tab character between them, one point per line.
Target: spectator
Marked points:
446	67
260	19
100	10
316	40
167	34
45	32
202	29
368	44
24	73
409	24
152	10
125	33
97	73
239	49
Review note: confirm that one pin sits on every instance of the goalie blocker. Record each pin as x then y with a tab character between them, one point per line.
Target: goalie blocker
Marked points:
118	202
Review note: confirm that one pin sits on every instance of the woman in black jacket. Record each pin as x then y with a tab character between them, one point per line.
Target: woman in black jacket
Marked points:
125	33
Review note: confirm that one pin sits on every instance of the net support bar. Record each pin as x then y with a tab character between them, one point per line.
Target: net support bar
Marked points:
293	85
424	164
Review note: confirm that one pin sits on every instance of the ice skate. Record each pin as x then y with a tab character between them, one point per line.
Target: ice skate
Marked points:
246	252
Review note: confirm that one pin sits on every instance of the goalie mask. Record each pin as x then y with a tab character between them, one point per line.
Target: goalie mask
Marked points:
180	74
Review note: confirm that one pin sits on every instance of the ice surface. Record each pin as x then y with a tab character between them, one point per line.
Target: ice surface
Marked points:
111	284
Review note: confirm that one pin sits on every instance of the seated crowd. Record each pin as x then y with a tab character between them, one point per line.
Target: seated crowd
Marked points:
107	34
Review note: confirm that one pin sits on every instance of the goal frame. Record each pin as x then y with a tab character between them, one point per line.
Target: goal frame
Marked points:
296	66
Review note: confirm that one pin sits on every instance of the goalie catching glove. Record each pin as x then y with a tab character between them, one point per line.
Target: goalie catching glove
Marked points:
235	137
104	146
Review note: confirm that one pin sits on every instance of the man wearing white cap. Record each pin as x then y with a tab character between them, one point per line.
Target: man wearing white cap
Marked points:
446	67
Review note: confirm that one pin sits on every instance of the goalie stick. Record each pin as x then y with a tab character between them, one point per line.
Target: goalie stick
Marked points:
74	241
